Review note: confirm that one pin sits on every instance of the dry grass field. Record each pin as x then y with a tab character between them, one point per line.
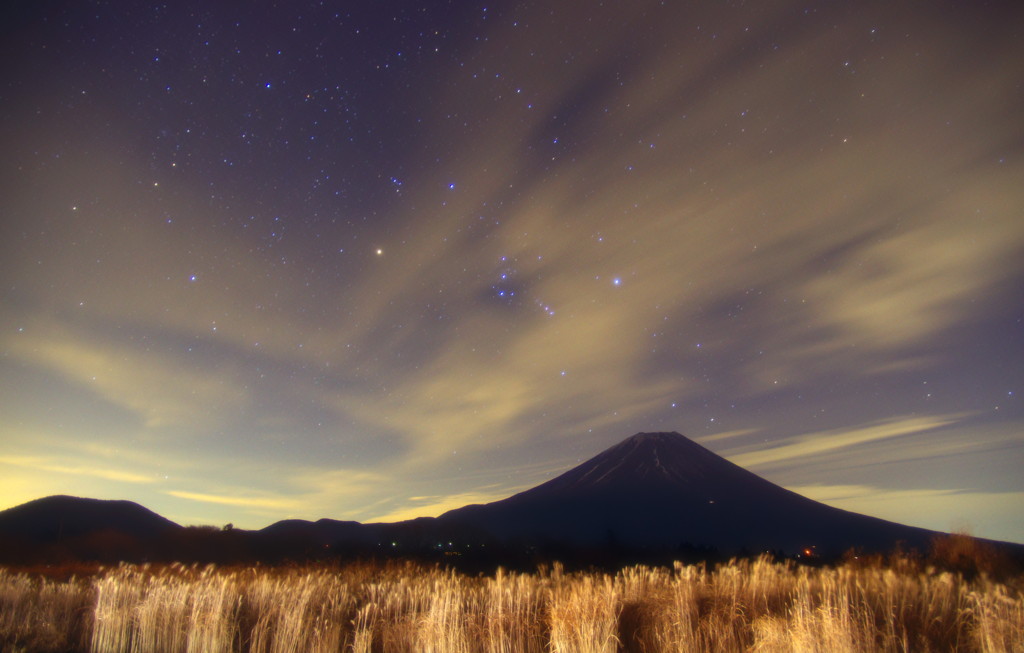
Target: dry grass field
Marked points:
743	606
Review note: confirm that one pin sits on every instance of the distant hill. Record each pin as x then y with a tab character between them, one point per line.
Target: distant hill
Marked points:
62	517
652	497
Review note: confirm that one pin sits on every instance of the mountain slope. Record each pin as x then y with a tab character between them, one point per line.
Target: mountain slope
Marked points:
652	493
662	490
62	517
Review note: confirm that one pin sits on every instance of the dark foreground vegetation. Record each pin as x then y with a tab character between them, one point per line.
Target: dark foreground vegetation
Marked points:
948	601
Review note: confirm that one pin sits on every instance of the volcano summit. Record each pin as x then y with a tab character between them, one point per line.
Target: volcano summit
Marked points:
662	490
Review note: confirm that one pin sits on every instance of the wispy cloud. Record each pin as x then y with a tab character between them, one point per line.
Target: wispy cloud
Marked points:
160	388
299	492
725	435
824	442
49	465
993	514
432	506
274	503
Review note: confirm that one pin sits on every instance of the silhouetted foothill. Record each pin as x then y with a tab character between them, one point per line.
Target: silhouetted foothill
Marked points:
64	517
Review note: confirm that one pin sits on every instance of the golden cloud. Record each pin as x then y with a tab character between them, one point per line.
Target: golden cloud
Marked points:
273	503
39	463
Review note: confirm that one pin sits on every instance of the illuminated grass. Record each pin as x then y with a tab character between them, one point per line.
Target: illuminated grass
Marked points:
743	606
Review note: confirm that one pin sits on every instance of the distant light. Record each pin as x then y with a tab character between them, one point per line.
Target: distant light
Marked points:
380	252
616	281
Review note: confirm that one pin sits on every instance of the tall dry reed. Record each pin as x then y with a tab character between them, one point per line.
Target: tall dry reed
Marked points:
743	606
37	614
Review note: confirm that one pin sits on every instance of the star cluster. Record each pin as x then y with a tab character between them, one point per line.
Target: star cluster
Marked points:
379	260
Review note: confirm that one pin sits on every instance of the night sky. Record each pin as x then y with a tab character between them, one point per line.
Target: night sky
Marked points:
376	260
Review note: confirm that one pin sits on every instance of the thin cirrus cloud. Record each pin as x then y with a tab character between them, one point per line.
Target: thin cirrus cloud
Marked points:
302	492
274	503
160	389
829	442
435	505
977	512
42	464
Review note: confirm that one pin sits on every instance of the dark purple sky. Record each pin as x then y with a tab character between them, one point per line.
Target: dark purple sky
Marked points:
375	260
